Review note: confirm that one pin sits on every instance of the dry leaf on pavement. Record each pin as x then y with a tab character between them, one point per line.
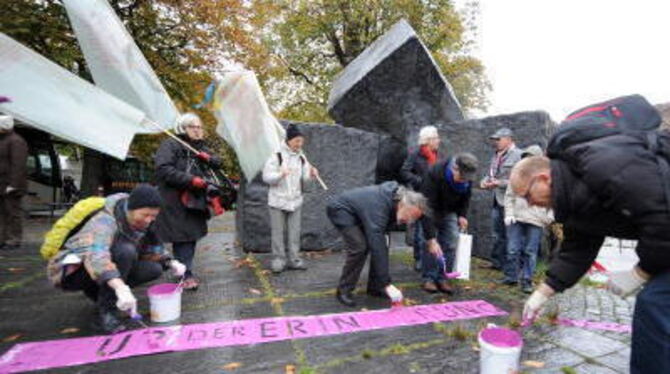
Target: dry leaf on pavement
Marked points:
232	366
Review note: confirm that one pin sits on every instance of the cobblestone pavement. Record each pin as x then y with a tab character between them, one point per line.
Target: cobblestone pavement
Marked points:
236	286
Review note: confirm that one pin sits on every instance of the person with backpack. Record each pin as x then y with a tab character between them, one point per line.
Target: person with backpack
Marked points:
285	172
13	183
412	172
114	250
607	174
525	227
183	179
448	188
505	157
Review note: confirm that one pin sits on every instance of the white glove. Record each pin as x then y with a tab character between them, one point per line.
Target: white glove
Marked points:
533	306
393	293
9	190
178	269
624	282
125	300
509	221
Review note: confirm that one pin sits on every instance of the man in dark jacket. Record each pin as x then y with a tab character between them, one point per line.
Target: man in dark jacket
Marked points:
413	170
609	187
363	216
181	177
13	183
448	187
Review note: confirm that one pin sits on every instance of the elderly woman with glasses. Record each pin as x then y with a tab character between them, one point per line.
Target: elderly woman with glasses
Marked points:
181	175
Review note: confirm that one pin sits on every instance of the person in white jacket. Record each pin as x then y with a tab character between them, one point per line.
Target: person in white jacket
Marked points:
525	226
286	171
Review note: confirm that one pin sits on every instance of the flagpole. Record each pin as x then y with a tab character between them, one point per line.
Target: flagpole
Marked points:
173	136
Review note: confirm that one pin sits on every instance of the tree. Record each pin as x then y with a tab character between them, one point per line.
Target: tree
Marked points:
314	40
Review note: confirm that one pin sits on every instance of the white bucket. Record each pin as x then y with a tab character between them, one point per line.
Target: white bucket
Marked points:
500	350
164	302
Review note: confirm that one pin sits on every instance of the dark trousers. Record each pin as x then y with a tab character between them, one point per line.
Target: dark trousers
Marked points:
11	219
650	349
499	233
184	253
133	272
447	236
419	243
357	253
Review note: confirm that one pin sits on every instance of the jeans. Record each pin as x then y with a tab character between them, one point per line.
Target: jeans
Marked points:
419	241
133	272
357	253
499	252
650	348
447	236
280	221
184	253
523	243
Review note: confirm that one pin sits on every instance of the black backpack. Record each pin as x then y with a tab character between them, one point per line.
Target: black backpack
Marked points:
632	115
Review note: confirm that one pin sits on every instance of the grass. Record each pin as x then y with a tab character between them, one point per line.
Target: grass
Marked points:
568	370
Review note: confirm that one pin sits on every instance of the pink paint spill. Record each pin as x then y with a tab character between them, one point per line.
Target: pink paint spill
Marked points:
80	351
501	337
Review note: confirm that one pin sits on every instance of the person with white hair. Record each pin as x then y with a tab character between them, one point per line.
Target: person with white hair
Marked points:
419	160
13	183
363	216
182	175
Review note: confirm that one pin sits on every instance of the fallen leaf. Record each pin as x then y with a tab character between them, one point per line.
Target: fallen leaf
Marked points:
16	270
475	348
534	364
69	330
231	366
277	300
364	309
255	291
290	369
265	272
12	338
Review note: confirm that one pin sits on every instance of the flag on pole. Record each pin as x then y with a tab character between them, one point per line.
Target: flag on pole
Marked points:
52	99
116	63
245	121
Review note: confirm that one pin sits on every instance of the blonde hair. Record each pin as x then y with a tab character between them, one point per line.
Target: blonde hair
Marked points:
527	168
426	133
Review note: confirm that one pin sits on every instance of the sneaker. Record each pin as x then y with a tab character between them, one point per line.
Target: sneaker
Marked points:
429	287
300	265
109	323
277	266
345	298
527	287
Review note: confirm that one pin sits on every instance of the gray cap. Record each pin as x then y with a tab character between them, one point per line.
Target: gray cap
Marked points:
501	133
467	164
532	150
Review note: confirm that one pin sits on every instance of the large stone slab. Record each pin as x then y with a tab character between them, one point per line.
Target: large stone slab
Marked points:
472	136
393	87
345	157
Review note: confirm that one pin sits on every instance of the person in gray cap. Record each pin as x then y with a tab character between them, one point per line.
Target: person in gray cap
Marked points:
505	157
448	187
13	183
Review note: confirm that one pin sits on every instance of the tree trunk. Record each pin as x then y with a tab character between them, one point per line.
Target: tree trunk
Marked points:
92	176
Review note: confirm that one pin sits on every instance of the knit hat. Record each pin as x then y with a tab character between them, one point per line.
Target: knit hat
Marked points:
292	131
6	122
144	196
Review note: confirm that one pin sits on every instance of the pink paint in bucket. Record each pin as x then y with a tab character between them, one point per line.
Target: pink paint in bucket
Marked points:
500	350
165	302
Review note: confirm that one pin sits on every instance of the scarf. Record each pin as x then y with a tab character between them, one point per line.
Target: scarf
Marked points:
461	188
428	154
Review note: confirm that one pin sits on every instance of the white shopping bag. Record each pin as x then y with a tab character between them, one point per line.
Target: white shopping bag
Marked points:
463	252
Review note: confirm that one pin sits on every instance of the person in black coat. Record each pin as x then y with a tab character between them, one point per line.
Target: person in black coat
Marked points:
412	172
181	176
363	216
611	186
448	187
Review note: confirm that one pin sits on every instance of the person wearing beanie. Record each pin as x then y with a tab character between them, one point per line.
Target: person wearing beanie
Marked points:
115	250
285	171
13	183
182	180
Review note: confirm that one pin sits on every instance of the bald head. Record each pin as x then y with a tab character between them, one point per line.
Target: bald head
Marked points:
531	179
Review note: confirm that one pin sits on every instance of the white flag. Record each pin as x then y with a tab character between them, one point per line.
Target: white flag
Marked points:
54	100
116	63
245	120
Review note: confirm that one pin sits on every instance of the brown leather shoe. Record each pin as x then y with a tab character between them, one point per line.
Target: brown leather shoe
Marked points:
429	287
444	287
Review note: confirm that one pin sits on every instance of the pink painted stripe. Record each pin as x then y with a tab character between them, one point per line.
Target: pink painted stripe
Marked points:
79	351
593	325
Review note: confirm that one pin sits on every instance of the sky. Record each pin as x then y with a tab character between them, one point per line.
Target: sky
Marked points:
561	55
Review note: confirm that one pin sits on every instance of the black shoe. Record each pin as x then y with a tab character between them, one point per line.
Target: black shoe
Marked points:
507	282
109	323
345	298
527	287
11	247
376	293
